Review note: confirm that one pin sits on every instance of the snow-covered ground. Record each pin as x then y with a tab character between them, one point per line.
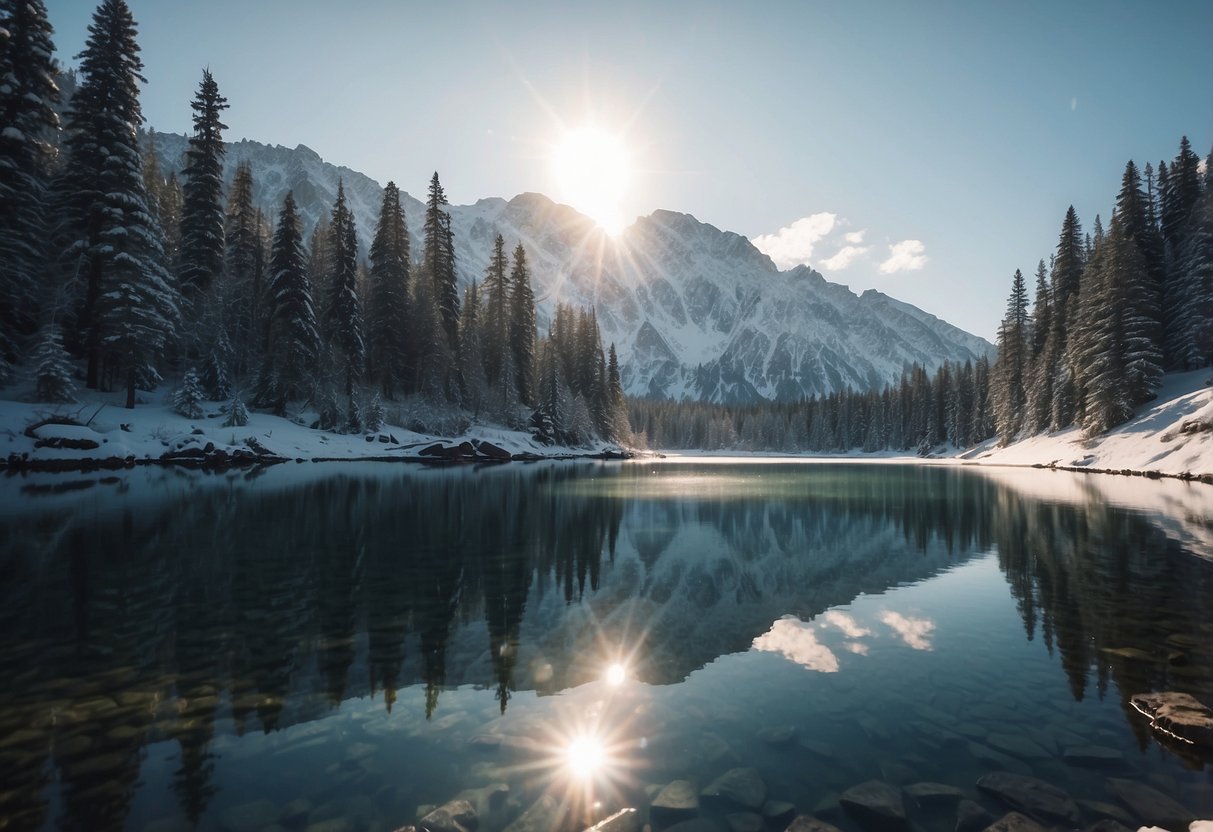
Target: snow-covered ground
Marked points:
154	429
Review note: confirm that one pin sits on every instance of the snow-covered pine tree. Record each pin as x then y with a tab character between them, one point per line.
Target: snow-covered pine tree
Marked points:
29	124
343	316
439	261
202	218
1038	381
471	352
243	278
522	327
387	314
375	416
617	413
1007	386
54	376
237	413
1194	265
551	416
1137	278
293	337
188	398
496	291
130	305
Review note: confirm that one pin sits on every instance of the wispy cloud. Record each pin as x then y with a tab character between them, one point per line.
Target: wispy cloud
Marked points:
792	245
847	624
796	641
916	632
855	237
906	256
844	257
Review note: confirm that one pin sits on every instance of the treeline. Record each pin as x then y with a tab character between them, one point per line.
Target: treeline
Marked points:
1114	310
110	264
919	414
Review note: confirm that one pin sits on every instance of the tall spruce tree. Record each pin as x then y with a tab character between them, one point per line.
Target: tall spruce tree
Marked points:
1139	277
439	260
471	352
202	220
244	276
129	305
1010	370
388	333
343	316
293	344
1193	266
1038	380
29	98
496	291
522	327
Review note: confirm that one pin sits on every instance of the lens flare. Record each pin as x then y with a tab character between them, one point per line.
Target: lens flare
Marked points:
585	756
616	675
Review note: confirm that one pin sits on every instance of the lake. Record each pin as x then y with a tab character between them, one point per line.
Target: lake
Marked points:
334	646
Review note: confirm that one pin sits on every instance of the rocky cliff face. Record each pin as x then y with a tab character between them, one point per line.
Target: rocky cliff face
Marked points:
695	312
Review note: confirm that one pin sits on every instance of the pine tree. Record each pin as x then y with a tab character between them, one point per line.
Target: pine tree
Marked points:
237	414
28	112
522	327
343	317
496	292
1041	361
439	259
375	416
53	374
387	306
202	245
471	352
552	410
188	398
620	430
1010	370
1194	267
243	277
293	343
130	307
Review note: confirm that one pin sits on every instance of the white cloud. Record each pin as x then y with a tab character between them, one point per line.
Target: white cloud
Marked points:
916	632
796	641
906	256
855	237
844	257
793	245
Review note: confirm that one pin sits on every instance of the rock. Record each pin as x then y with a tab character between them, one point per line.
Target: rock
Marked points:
1107	825
249	817
1015	822
971	817
1106	811
455	816
1177	715
488	449
295	813
777	734
1031	796
625	820
745	822
1150	805
777	812
677	801
1017	745
737	786
488	799
876	805
1092	756
808	823
828	807
933	794
544	815
898	774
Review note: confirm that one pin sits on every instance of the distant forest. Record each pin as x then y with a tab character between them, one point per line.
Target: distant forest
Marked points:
111	267
114	275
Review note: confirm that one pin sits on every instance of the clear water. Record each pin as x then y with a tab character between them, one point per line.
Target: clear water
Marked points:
335	647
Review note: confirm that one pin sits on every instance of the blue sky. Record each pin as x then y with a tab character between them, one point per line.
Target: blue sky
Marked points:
928	149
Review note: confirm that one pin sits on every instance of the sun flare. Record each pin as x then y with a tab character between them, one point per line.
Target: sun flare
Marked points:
593	170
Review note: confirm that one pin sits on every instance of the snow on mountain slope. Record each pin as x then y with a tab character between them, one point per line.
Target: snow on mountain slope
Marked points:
695	312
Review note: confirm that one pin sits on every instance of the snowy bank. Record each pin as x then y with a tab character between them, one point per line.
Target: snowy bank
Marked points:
111	436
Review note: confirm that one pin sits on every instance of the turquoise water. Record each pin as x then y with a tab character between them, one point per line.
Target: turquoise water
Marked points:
335	647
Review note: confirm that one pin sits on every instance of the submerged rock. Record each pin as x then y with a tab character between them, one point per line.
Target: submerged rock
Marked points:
776	812
1150	805
876	805
971	817
1107	825
455	816
625	820
1017	745
1106	811
1031	796
676	801
808	823
1015	822
739	786
933	794
745	822
777	734
1177	715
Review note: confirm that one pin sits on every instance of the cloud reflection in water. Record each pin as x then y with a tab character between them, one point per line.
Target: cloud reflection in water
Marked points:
796	641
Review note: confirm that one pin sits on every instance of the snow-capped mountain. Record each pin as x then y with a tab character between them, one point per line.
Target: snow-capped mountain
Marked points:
694	312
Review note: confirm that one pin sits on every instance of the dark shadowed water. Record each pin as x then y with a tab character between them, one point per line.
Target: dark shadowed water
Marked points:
334	647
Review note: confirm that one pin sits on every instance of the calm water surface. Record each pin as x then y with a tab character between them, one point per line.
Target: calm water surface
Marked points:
335	647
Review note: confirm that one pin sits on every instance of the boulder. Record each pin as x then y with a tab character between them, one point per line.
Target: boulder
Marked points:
777	812
544	815
971	817
1177	715
491	451
933	794
1015	822
876	805
737	787
1150	805
677	801
1031	796
455	816
1106	811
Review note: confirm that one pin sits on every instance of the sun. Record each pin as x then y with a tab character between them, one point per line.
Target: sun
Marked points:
593	171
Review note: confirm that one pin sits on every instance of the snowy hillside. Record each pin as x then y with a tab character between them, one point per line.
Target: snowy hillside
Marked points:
695	312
